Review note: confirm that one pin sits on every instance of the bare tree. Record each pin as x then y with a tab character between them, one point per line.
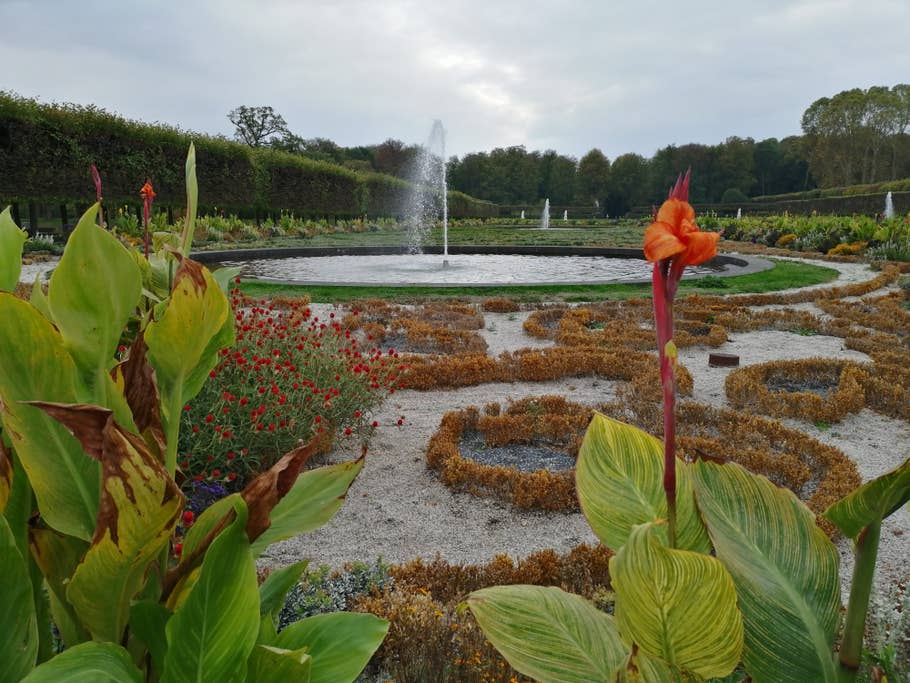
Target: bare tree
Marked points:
256	125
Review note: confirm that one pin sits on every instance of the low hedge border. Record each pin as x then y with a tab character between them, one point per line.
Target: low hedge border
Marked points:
748	388
426	373
552	420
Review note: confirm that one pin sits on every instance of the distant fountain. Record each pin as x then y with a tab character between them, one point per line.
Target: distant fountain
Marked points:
739	214
545	216
889	206
429	198
522	214
565	214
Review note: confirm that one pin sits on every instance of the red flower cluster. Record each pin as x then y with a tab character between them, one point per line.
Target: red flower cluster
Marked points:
288	377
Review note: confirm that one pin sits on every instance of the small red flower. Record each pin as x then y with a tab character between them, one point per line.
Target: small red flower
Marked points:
188	518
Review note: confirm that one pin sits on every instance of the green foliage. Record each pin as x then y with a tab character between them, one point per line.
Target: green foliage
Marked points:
49	150
94	441
733	195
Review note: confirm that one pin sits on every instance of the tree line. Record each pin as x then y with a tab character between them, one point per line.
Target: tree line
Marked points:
856	136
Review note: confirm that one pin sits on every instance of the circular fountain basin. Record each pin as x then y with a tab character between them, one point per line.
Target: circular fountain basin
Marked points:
490	266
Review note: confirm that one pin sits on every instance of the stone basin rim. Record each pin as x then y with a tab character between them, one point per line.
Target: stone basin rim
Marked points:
739	264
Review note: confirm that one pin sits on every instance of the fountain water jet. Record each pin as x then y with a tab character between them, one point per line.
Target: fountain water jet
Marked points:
545	216
889	206
565	215
429	196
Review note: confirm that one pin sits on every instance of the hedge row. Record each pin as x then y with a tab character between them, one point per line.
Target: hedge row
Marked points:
46	151
902	185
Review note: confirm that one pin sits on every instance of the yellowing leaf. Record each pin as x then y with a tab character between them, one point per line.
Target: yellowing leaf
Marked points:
183	344
140	506
35	365
784	568
677	605
11	241
548	634
619	477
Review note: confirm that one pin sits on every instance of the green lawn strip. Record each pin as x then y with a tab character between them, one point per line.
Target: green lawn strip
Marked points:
784	275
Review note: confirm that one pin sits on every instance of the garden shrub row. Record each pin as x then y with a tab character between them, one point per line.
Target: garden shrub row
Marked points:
46	151
433	638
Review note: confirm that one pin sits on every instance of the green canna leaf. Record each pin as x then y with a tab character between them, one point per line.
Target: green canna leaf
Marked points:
275	588
34	364
340	643
211	634
275	665
677	605
872	502
619	477
88	663
92	293
148	622
11	240
314	499
785	570
18	623
557	637
58	556
192	201
140	506
39	300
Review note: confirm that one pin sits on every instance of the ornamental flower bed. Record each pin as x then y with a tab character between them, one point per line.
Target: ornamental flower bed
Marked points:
814	389
289	377
548	421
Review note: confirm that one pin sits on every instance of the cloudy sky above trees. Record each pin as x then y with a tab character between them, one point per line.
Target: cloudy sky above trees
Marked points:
624	76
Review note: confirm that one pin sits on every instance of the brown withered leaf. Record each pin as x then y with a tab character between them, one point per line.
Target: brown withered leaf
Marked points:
139	508
265	491
187	268
141	391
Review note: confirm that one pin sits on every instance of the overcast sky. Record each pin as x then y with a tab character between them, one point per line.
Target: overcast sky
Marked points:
621	75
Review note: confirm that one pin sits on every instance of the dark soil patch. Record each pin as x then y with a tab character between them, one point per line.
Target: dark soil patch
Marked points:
523	457
818	386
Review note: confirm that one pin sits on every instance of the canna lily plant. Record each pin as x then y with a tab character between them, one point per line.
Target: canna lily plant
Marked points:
715	567
89	501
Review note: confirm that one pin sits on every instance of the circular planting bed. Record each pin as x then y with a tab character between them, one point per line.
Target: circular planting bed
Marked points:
815	389
524	454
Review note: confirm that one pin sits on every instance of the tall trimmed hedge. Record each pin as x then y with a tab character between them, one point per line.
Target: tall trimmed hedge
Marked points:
46	151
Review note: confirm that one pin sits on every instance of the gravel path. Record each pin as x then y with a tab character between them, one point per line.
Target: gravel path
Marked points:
399	510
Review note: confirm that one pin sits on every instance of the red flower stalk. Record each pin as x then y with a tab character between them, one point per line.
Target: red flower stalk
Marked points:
96	177
147	194
672	242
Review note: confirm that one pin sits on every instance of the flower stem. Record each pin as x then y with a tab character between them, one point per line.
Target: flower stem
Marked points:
663	291
851	649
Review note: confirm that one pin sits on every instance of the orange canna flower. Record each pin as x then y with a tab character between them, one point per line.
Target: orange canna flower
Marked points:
674	234
147	192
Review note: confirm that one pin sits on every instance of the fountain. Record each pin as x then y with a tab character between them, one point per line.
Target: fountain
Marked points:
522	214
739	214
545	216
889	206
429	197
565	215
